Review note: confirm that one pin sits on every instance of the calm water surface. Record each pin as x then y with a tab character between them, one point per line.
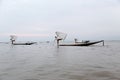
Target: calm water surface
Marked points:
47	62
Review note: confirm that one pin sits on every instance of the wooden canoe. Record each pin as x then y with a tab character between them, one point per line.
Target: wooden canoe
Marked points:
82	43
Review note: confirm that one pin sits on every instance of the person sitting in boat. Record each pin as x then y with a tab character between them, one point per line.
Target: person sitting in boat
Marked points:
76	40
87	41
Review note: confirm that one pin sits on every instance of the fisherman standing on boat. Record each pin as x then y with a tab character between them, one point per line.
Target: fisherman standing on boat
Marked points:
12	38
60	36
58	39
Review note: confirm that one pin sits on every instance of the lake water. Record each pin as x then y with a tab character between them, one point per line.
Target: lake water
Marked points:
47	62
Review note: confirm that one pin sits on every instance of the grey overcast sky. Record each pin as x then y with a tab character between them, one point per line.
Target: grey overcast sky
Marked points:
39	19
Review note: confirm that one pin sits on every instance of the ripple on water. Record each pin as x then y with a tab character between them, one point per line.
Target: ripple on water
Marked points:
93	75
77	77
103	74
31	79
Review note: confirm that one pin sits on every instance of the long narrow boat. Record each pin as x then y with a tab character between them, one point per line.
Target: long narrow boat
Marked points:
13	39
82	43
61	36
23	43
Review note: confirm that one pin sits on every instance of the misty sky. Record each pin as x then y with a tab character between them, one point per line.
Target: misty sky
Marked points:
39	19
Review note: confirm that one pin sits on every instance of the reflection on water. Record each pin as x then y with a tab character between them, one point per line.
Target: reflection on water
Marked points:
47	62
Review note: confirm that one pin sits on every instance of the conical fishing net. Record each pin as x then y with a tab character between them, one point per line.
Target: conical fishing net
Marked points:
60	35
13	37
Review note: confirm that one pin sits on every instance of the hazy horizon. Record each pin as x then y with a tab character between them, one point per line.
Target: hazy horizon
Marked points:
38	20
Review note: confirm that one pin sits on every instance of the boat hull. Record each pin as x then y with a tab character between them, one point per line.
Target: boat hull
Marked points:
81	44
23	43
